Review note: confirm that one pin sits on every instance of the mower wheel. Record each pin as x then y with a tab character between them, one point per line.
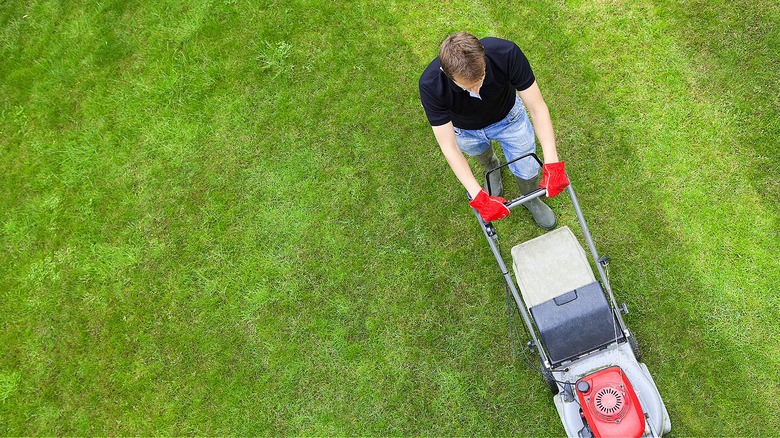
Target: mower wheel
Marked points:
635	347
548	378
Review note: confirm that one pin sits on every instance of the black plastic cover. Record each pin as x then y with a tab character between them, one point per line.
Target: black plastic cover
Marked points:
576	322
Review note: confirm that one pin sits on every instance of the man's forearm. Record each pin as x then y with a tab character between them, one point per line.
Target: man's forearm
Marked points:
460	167
445	136
540	117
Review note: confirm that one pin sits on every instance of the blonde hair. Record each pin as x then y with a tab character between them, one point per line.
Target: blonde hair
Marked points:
462	56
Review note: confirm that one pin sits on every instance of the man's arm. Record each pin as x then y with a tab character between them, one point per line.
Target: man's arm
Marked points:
540	117
445	136
489	207
554	177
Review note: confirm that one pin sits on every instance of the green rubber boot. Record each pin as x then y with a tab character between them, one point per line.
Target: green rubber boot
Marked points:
542	214
489	161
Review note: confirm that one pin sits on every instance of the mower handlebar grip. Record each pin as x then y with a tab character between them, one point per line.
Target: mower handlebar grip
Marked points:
522	199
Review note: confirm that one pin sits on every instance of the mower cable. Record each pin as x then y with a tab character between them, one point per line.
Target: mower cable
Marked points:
514	334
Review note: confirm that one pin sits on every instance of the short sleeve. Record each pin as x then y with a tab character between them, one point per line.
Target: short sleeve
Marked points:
519	69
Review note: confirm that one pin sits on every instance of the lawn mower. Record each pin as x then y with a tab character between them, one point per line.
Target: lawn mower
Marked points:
587	356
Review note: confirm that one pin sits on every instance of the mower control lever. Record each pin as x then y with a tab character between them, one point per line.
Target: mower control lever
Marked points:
522	199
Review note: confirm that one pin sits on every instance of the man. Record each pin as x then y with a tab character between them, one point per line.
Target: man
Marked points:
470	96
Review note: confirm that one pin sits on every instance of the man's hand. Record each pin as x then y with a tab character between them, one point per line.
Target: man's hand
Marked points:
554	178
489	207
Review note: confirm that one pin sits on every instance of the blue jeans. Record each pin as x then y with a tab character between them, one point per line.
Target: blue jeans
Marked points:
515	135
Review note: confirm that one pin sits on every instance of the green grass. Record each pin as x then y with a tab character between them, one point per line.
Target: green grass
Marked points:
231	218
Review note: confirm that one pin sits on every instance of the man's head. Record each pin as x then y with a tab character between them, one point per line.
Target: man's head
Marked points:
462	59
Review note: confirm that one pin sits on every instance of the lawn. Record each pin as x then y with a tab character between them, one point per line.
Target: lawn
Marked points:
223	217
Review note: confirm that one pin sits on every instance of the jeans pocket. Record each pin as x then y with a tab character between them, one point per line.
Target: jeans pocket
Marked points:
516	111
514	114
458	131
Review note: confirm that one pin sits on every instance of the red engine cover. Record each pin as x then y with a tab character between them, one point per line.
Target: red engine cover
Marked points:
610	404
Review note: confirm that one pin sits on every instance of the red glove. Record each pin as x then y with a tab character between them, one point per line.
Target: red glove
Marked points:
554	178
489	207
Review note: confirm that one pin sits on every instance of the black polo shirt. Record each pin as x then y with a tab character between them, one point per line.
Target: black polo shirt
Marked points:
506	70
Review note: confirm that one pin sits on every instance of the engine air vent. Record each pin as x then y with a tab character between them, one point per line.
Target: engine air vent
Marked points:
609	403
